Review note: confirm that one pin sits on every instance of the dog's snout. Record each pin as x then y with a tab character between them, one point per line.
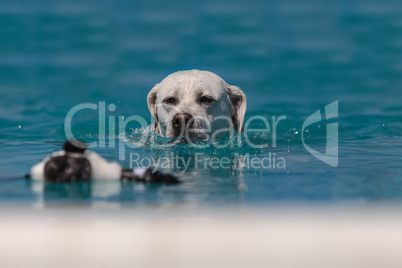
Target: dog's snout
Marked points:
181	120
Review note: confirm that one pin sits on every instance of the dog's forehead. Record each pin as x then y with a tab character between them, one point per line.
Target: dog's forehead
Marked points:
187	83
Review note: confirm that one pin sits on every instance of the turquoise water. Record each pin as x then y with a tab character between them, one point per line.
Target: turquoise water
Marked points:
290	58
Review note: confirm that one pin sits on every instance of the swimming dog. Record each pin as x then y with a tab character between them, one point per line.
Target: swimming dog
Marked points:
196	104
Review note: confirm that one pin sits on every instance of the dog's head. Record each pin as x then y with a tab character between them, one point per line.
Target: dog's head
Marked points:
196	104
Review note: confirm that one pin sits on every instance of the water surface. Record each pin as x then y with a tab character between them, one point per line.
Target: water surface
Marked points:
290	59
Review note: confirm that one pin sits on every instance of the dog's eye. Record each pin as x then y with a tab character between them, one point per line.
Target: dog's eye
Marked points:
170	100
206	100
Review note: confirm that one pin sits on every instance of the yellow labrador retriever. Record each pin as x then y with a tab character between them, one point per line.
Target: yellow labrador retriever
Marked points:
196	104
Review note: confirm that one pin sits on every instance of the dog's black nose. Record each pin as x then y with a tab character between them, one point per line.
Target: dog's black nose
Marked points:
181	121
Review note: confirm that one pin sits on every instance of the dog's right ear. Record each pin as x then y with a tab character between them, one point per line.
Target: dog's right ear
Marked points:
238	107
151	101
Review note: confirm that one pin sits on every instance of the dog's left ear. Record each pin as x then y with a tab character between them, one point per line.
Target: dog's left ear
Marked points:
151	101
238	107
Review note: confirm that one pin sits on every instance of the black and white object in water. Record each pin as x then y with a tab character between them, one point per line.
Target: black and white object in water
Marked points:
77	164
